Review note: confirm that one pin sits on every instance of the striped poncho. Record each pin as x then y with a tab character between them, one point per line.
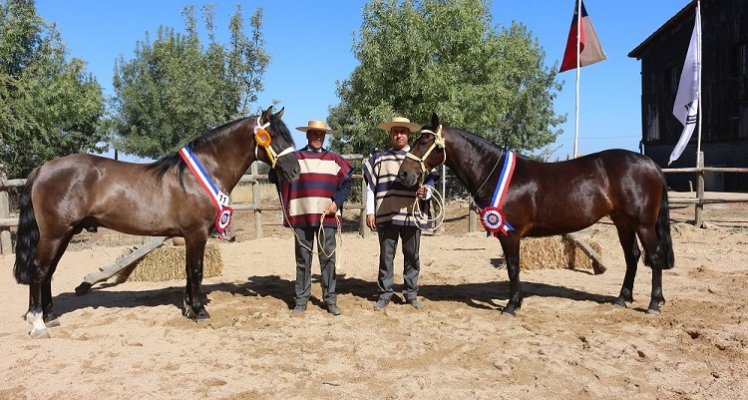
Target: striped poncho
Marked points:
393	201
325	176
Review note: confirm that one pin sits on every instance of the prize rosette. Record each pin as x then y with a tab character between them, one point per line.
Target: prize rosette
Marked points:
223	221
494	221
262	137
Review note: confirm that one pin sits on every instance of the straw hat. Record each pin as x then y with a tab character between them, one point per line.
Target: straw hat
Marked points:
315	125
399	121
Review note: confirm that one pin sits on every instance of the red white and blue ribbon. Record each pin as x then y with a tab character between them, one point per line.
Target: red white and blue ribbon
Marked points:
220	200
493	217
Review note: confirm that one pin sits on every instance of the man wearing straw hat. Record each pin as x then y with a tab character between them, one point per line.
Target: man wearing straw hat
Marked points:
389	211
315	199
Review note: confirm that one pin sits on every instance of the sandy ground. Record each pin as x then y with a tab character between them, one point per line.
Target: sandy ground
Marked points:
567	342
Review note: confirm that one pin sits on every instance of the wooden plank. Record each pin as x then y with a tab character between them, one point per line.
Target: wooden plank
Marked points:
11	183
106	273
5	242
597	261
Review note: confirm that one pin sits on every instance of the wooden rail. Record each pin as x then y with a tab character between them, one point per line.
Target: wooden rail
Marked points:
254	179
700	199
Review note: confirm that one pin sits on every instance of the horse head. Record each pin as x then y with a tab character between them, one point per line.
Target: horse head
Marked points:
426	152
272	135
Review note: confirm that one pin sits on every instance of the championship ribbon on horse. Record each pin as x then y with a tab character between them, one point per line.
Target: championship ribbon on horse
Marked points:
493	217
220	200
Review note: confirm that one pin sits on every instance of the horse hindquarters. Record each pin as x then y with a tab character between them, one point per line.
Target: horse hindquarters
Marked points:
658	248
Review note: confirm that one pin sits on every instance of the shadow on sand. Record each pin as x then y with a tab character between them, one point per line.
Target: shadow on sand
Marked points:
484	295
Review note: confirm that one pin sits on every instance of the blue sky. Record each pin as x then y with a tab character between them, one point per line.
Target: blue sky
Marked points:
310	44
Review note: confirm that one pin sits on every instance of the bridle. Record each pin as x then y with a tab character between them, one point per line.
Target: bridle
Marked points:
263	139
438	144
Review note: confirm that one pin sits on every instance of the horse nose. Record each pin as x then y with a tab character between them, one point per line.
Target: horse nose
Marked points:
407	178
295	172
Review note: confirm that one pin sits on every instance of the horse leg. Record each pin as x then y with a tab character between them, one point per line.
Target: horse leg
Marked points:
193	297
648	237
50	318
510	245
40	277
631	253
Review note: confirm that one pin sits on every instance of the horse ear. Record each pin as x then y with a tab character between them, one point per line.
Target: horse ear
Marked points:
434	120
266	115
279	114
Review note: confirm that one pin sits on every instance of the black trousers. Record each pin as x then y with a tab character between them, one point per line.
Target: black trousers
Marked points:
388	238
303	286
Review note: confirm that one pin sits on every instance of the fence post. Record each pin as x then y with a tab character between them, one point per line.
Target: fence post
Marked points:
472	218
256	202
699	190
6	246
363	230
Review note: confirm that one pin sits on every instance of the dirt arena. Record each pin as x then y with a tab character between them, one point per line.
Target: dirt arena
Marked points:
567	342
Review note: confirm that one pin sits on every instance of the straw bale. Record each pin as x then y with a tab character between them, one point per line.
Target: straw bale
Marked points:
168	263
554	252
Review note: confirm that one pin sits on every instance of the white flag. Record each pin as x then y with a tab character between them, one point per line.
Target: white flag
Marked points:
686	105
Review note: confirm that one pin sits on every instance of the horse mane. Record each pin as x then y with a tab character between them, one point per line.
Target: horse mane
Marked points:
478	141
164	164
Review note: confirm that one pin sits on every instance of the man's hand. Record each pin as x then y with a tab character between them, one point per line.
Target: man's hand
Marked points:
371	222
331	209
421	192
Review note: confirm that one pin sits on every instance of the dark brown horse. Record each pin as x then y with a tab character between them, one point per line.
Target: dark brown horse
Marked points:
545	199
81	191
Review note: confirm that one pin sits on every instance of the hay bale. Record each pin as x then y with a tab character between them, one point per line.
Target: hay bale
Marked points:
168	263
554	252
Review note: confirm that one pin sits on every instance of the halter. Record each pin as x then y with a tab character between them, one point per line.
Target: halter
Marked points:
263	139
438	143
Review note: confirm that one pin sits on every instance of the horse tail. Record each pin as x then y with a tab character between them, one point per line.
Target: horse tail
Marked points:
664	250
28	233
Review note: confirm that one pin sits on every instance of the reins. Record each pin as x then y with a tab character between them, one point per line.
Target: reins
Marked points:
490	174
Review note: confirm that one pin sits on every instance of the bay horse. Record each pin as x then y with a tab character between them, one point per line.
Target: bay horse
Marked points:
545	199
82	191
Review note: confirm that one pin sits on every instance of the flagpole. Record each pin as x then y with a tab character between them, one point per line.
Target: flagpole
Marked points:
576	100
698	60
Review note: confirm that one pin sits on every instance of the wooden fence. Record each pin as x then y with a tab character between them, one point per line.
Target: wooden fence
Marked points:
700	197
254	178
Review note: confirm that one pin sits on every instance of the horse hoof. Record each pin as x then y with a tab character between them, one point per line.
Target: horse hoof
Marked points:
620	302
39	334
653	311
52	322
508	313
201	316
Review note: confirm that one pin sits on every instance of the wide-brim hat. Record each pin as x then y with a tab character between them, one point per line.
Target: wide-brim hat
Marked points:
315	125
399	121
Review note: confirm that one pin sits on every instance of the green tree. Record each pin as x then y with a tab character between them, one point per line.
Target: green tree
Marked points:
444	56
49	107
175	88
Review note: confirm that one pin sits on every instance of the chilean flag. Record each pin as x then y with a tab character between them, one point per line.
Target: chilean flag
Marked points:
590	50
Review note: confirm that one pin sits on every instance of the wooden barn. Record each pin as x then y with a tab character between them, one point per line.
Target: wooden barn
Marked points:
724	86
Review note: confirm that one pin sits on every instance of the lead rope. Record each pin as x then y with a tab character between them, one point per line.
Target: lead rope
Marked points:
423	219
321	236
437	197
